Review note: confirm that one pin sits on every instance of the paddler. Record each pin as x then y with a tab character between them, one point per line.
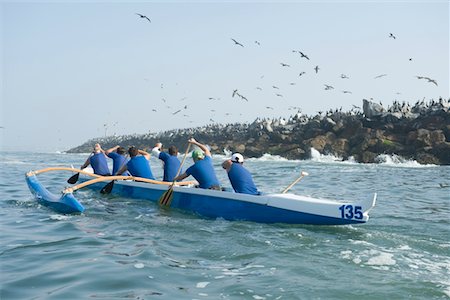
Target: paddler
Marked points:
97	160
117	154
202	169
240	178
139	164
171	161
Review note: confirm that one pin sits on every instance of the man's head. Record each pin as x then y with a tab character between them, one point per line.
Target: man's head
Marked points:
97	148
133	151
197	154
173	150
121	150
237	157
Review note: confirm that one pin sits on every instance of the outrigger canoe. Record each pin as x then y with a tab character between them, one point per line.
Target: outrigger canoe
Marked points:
265	208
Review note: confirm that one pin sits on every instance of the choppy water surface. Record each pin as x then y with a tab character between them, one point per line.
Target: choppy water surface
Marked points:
122	248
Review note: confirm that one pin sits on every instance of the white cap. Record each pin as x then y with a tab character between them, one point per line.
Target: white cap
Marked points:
237	157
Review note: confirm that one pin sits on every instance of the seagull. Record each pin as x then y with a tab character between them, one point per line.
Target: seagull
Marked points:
392	36
258	88
346	92
328	87
242	97
275	87
427	78
284	65
256	42
234	93
144	17
301	73
343	76
176	112
379	76
154	110
268	107
292	83
237	43
303	55
317	69
185	107
357	107
279	95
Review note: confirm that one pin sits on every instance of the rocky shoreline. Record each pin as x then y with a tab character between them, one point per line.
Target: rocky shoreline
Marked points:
419	132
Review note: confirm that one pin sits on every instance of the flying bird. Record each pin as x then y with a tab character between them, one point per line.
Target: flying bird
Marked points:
258	88
328	87
268	107
176	112
279	95
427	78
237	43
343	76
275	87
284	65
317	69
392	36
301	73
144	17
256	42
234	93
379	76
303	55
346	92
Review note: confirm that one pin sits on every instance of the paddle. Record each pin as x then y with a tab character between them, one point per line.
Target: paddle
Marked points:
108	188
74	178
166	198
303	174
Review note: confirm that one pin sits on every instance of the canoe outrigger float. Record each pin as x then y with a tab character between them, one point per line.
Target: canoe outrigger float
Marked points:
265	208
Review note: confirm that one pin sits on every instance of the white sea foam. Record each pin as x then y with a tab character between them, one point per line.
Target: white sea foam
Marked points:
398	161
139	265
382	259
59	217
202	285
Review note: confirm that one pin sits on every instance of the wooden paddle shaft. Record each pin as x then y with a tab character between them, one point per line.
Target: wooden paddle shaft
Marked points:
292	184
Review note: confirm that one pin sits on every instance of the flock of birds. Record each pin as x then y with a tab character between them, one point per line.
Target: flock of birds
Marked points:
237	94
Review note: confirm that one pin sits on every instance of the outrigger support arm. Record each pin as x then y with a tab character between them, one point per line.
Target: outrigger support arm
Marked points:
31	173
108	178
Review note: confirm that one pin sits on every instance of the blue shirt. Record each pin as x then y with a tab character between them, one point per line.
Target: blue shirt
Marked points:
99	164
242	180
118	162
139	166
203	172
171	165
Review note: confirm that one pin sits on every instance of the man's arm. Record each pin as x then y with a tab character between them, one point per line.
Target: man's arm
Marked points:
180	177
157	149
145	154
86	163
111	149
201	146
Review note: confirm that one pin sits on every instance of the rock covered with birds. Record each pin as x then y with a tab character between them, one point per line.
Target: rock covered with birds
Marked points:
420	132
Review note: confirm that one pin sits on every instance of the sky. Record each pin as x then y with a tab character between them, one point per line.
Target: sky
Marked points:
74	71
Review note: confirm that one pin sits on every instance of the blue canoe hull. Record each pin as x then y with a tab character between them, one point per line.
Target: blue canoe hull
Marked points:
228	205
273	208
66	203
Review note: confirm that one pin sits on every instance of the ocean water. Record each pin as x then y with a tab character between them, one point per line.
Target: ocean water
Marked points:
122	248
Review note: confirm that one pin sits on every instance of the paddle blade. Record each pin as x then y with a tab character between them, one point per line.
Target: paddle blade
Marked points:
73	179
107	188
166	198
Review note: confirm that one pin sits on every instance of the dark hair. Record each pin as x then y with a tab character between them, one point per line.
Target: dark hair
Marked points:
121	150
173	150
133	151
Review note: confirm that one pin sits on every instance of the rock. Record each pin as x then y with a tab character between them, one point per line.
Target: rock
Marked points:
372	109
